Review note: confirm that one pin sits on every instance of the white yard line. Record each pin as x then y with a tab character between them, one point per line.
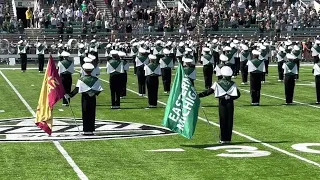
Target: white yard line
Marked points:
243	135
57	144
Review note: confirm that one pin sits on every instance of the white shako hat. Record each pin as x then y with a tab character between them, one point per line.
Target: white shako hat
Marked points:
87	60
227	48
81	45
122	54
296	48
291	56
226	71
113	52
188	50
142	50
93	41
20	42
244	47
181	44
262	47
223	57
87	67
187	60
109	45
152	57
205	49
91	56
60	45
65	54
166	51
281	49
256	52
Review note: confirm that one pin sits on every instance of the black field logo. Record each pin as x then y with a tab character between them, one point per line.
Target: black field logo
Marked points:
65	129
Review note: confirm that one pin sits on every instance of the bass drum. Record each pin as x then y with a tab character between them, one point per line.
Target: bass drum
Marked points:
72	43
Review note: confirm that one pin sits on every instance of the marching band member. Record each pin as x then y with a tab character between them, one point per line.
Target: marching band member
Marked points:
223	59
40	48
81	53
207	62
108	50
93	49
180	51
95	72
189	69
315	51
115	68
158	50
60	50
231	55
133	53
189	55
263	57
124	75
65	70
166	65
290	72
215	49
90	87
316	73
226	91
256	68
236	57
141	60
244	57
281	57
22	51
296	51
152	73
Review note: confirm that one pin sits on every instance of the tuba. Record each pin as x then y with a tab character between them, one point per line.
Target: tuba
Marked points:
72	44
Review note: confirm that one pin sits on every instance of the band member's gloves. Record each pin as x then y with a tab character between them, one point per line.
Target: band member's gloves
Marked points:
226	97
66	96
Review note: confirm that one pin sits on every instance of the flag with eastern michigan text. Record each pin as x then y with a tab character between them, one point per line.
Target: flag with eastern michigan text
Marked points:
181	112
51	92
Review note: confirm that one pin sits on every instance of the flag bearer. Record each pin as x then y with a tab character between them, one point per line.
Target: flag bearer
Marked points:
90	87
40	52
256	68
189	69
281	57
141	60
115	68
152	73
124	75
244	57
207	62
290	71
223	59
226	91
166	65
316	73
65	70
81	53
22	51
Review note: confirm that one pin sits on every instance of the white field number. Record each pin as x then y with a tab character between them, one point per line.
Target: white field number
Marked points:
305	147
240	151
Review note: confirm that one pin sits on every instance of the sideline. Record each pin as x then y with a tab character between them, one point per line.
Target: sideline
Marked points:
242	135
57	144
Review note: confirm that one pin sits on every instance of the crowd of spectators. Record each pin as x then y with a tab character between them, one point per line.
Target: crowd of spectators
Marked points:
129	16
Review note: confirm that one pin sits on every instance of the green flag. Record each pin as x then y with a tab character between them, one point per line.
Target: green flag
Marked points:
181	113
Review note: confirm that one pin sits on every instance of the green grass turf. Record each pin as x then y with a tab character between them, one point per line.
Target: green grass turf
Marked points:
278	125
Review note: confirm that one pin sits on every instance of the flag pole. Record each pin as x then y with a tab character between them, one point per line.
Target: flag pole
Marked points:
74	117
209	123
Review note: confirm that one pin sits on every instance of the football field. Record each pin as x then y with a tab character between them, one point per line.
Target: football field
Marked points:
270	141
